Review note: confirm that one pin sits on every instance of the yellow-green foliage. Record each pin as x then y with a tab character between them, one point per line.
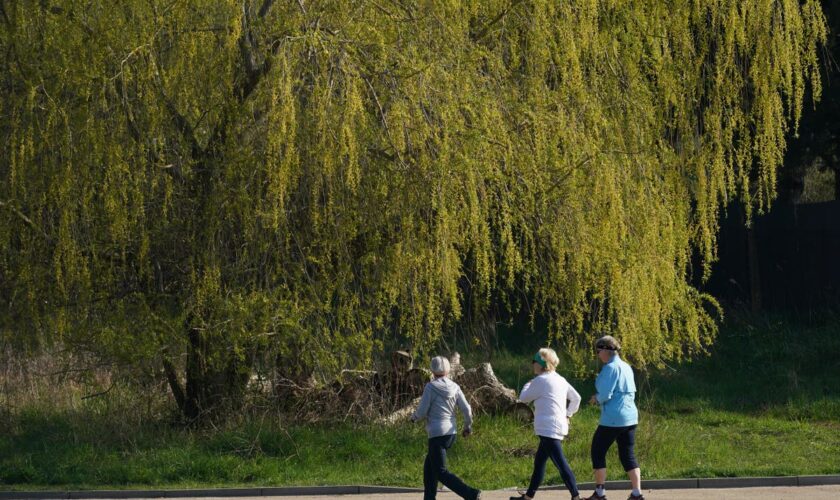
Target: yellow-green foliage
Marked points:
327	175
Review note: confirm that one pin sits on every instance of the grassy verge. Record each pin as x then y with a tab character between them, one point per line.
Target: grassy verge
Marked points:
767	402
64	452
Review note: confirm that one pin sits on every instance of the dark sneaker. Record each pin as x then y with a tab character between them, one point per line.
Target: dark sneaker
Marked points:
636	497
596	496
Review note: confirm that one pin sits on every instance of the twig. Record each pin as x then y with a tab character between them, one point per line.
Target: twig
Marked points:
25	219
96	395
385	122
481	34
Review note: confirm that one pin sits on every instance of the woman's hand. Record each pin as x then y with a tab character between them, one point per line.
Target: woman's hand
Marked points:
593	400
467	432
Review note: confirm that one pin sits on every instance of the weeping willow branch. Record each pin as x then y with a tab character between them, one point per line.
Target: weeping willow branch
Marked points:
487	27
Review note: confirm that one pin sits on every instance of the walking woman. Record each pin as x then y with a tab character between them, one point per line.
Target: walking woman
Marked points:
437	406
616	395
550	392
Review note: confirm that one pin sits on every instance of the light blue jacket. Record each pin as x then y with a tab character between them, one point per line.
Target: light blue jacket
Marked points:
440	398
616	394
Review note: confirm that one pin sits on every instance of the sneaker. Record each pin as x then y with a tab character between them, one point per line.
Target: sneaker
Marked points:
521	496
636	497
596	496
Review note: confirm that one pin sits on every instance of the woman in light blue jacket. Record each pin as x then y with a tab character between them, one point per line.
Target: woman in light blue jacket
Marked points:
437	406
616	395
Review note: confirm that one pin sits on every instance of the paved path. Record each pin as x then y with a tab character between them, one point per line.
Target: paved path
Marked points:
771	493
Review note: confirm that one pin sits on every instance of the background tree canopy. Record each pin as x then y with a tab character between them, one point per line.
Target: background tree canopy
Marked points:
196	183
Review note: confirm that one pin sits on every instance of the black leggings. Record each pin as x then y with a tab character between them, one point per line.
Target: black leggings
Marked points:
434	470
553	449
604	438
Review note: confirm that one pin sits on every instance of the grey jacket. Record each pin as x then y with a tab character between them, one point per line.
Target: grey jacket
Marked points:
437	406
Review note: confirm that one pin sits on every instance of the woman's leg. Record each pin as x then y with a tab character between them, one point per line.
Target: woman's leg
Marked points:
601	442
430	469
539	468
555	447
635	476
449	479
626	453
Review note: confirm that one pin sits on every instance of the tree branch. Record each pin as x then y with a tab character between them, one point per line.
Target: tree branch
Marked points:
481	34
101	393
58	11
180	121
385	122
556	184
174	384
25	219
254	72
266	6
246	41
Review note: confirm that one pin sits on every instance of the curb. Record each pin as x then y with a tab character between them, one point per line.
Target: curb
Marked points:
715	482
651	484
208	492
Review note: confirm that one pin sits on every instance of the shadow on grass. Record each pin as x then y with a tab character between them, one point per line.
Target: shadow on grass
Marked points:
768	365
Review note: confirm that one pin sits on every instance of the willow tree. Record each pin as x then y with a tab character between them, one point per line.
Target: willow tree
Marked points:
211	179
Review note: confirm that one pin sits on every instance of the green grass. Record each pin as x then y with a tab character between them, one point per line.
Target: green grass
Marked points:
65	452
766	402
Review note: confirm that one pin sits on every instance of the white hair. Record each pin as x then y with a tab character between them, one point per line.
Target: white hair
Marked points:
550	358
440	365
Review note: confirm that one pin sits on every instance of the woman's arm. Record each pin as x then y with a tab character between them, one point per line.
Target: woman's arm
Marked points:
605	384
574	401
423	408
465	409
530	392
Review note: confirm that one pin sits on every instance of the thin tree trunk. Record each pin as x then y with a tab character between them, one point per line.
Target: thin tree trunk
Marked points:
174	385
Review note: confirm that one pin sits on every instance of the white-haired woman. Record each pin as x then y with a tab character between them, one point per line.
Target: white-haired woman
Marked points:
437	406
555	401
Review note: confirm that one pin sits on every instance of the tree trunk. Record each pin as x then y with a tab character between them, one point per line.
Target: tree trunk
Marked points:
211	389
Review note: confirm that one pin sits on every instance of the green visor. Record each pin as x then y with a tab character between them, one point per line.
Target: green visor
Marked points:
538	359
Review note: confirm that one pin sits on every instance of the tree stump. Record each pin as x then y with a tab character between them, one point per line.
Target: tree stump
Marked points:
485	393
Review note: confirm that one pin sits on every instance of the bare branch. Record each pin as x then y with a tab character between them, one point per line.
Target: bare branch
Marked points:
101	393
